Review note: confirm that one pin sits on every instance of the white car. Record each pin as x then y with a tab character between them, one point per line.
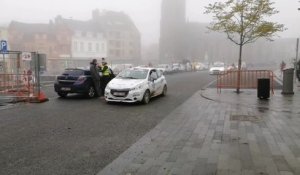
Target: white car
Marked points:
164	67
217	68
137	84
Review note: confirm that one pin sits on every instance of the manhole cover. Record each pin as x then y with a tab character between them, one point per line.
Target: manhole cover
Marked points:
250	118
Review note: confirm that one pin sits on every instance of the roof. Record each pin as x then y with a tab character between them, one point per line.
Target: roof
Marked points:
29	30
109	20
30	27
86	26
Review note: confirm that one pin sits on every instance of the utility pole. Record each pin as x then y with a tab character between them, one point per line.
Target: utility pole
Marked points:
297	49
296	60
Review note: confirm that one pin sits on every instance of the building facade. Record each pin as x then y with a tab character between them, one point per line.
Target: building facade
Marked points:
123	39
73	43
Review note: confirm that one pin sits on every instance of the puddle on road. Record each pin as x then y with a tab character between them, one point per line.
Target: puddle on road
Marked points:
262	109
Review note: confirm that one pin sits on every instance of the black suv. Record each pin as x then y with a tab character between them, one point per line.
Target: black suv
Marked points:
75	81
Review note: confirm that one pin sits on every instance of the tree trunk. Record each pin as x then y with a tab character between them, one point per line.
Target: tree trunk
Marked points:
239	70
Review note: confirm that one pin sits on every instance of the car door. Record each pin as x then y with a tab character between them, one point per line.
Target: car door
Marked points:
152	82
159	82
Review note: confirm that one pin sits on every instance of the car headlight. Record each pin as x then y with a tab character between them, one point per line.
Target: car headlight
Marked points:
107	88
137	88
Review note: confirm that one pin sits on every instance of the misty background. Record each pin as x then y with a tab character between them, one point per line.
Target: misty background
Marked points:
146	14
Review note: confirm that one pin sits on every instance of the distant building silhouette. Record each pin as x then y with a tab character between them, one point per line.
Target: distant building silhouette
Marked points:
172	30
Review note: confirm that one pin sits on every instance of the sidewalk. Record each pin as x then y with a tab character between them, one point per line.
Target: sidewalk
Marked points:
223	134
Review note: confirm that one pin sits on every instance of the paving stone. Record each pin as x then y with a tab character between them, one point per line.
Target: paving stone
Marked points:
286	173
281	163
198	137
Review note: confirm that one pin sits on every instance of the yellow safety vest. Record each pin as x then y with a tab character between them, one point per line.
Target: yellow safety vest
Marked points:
106	72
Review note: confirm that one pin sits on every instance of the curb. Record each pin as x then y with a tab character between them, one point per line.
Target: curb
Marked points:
260	107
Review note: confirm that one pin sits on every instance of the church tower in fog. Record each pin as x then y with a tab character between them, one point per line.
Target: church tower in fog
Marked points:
172	31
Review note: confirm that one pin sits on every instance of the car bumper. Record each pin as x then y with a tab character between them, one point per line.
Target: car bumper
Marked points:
215	72
71	88
131	97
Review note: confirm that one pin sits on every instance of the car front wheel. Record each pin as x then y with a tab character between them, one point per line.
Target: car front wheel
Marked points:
165	90
91	93
146	97
62	94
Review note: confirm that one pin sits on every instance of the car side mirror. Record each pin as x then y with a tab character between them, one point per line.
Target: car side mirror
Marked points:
153	77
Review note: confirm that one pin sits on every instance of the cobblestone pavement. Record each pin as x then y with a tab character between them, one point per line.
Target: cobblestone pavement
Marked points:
223	134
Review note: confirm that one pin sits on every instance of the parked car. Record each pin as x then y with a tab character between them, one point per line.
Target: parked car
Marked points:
137	84
75	80
199	66
217	68
175	67
164	67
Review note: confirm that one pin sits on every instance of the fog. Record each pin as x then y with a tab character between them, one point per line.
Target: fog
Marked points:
144	13
196	44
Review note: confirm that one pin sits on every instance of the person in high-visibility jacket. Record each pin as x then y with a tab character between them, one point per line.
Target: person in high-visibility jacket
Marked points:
106	75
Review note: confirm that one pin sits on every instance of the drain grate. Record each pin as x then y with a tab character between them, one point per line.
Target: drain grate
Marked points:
250	118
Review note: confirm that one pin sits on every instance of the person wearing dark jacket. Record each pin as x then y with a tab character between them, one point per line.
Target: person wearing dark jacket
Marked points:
298	70
94	68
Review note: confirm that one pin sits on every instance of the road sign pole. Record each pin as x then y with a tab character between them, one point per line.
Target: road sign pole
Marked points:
296	61
4	66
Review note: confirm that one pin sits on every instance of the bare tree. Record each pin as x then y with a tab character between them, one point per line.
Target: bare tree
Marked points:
244	22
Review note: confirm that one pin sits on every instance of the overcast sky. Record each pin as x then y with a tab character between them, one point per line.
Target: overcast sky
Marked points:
145	13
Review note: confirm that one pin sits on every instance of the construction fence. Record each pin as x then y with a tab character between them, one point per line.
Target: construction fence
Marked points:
20	76
248	79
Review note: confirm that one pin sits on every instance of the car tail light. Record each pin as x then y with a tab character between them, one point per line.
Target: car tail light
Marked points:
56	80
80	80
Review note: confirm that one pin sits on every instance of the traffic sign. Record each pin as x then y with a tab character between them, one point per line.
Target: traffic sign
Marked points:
26	56
3	46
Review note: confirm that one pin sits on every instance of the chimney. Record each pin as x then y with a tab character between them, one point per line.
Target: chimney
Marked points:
95	14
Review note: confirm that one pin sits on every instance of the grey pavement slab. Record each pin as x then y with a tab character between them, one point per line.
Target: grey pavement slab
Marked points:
219	134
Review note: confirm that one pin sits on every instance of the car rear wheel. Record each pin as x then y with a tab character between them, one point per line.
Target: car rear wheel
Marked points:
165	90
62	94
146	97
91	93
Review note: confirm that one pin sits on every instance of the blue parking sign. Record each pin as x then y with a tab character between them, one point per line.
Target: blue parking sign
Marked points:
3	46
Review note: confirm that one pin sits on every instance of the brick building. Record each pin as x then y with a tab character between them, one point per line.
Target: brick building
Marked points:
72	43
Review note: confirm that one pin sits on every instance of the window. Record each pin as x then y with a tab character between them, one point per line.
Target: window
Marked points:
118	44
90	47
117	52
111	42
153	75
89	34
159	73
118	35
97	47
81	46
75	46
103	47
111	52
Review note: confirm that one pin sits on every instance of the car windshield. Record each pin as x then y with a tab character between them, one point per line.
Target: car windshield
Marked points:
218	65
133	74
73	72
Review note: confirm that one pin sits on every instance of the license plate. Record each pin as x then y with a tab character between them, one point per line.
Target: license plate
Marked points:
119	93
65	89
